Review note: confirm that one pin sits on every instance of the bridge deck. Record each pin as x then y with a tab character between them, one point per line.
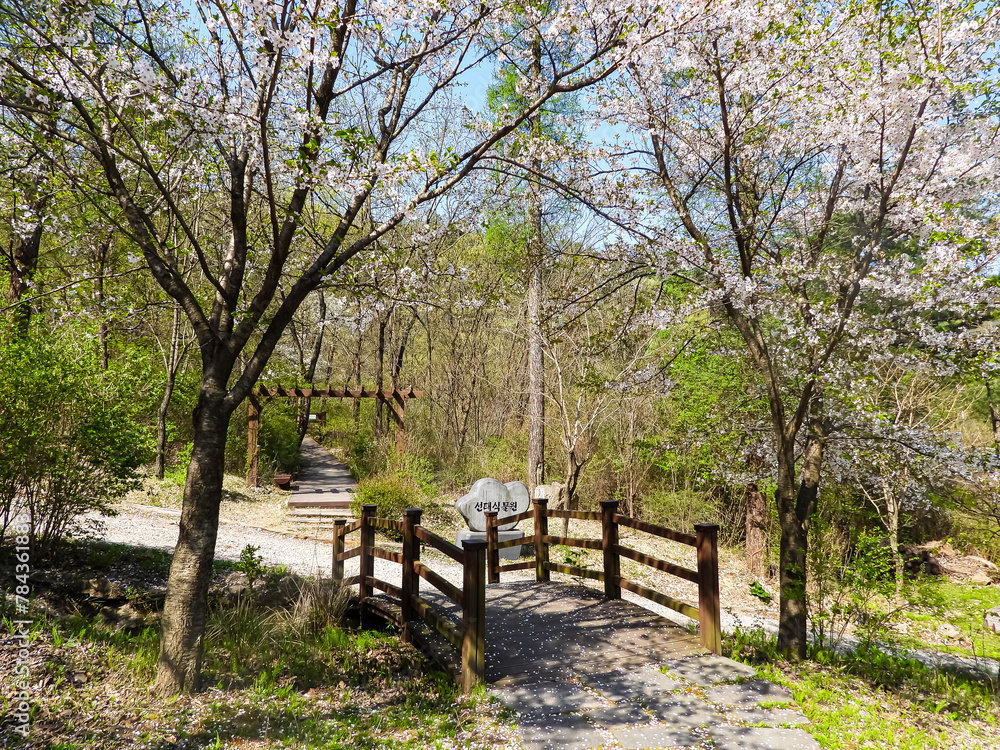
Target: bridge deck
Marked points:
534	630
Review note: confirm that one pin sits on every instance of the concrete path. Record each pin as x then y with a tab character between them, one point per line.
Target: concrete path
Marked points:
323	482
582	672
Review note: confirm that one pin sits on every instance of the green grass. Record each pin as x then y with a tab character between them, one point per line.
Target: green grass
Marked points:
867	699
932	602
290	676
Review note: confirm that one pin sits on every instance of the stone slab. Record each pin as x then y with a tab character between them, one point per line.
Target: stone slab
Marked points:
756	691
683	712
643	683
709	669
546	698
643	737
764	738
619	715
770	716
558	733
508	553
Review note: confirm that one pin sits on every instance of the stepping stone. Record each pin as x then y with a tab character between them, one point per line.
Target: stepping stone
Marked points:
763	738
618	716
748	692
771	717
683	712
643	737
644	683
546	698
558	733
708	669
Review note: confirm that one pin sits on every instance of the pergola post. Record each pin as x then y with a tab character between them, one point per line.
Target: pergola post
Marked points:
253	450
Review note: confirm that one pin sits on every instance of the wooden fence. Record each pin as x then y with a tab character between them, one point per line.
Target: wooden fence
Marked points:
705	541
480	560
468	635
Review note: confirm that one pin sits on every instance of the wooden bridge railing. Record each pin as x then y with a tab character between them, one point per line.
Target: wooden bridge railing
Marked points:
705	541
468	636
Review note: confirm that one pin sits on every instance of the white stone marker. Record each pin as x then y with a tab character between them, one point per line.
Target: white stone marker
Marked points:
488	494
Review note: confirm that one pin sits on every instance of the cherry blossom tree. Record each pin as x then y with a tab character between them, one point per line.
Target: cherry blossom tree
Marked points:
265	105
821	175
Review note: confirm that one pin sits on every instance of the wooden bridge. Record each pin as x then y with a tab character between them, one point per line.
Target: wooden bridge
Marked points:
524	629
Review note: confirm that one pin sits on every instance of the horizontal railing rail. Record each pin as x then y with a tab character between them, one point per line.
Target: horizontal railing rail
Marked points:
705	541
468	635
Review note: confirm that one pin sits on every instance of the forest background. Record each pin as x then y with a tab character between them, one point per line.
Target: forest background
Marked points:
847	375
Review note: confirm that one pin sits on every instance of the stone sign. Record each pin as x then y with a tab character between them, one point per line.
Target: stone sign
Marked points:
489	494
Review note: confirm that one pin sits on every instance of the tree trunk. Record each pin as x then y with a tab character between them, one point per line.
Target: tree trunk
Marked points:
892	511
161	425
173	365
310	373
381	426
756	538
536	361
186	607
21	267
794	510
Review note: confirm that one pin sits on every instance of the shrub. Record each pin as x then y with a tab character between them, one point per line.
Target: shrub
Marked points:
279	438
392	494
678	510
70	444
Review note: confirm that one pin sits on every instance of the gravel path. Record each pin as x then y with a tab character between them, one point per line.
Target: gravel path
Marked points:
157	527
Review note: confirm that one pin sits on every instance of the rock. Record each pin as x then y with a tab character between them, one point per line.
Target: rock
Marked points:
102	588
80	679
519	494
40	578
488	494
233	593
992	619
550	492
236	578
947	630
130	618
981	578
985	563
918	561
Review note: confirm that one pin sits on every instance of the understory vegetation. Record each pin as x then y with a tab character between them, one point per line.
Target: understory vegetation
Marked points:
286	665
868	698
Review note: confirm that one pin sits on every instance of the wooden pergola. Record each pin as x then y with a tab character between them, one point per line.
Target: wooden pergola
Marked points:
393	398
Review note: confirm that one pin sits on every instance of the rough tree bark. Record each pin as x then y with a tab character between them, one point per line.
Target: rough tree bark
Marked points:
794	511
536	359
756	543
173	363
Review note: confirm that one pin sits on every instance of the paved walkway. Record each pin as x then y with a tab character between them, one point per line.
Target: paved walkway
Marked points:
583	672
323	482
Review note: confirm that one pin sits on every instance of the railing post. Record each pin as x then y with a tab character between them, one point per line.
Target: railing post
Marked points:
339	524
474	614
609	543
411	581
709	615
541	548
367	557
492	553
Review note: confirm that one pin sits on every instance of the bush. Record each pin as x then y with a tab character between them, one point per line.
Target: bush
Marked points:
392	494
70	444
678	510
279	439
